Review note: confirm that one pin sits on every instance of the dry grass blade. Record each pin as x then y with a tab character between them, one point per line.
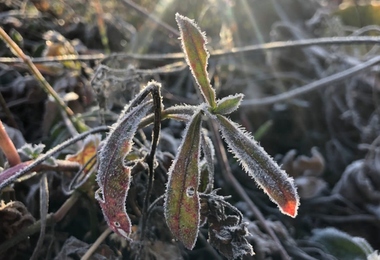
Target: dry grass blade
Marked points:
44	207
95	245
46	86
324	82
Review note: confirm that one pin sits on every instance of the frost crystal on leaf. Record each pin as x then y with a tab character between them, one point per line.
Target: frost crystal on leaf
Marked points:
182	205
259	165
113	177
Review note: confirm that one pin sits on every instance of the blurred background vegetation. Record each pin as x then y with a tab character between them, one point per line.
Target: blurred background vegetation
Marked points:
326	139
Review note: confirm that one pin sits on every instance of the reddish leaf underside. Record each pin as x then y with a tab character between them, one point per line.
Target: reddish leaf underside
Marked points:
10	172
182	206
194	47
113	176
259	165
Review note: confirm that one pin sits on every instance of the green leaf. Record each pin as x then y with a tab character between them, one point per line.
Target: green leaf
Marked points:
228	104
182	206
194	46
342	245
259	165
32	151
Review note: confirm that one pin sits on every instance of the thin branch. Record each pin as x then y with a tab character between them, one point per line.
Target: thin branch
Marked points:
350	40
299	43
44	209
324	82
34	70
7	175
7	181
95	245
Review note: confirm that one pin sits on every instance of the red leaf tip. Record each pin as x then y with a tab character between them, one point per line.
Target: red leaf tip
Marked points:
290	208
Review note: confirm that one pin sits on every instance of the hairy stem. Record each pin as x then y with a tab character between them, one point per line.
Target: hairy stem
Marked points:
156	93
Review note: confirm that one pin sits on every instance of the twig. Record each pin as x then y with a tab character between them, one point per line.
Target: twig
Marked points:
299	43
61	165
350	40
324	82
48	154
69	203
26	59
227	174
44	207
67	121
95	245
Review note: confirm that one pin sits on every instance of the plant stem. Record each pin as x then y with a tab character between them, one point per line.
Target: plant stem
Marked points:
156	94
95	245
51	152
324	82
8	147
349	40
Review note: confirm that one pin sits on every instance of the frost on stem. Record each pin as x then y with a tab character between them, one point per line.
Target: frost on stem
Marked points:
259	165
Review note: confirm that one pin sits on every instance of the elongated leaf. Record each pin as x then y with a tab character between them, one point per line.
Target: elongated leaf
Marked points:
259	165
113	175
182	206
194	47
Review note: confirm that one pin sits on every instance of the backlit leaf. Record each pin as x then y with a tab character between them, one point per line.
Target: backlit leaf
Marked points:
113	174
194	47
259	165
87	152
228	104
182	206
